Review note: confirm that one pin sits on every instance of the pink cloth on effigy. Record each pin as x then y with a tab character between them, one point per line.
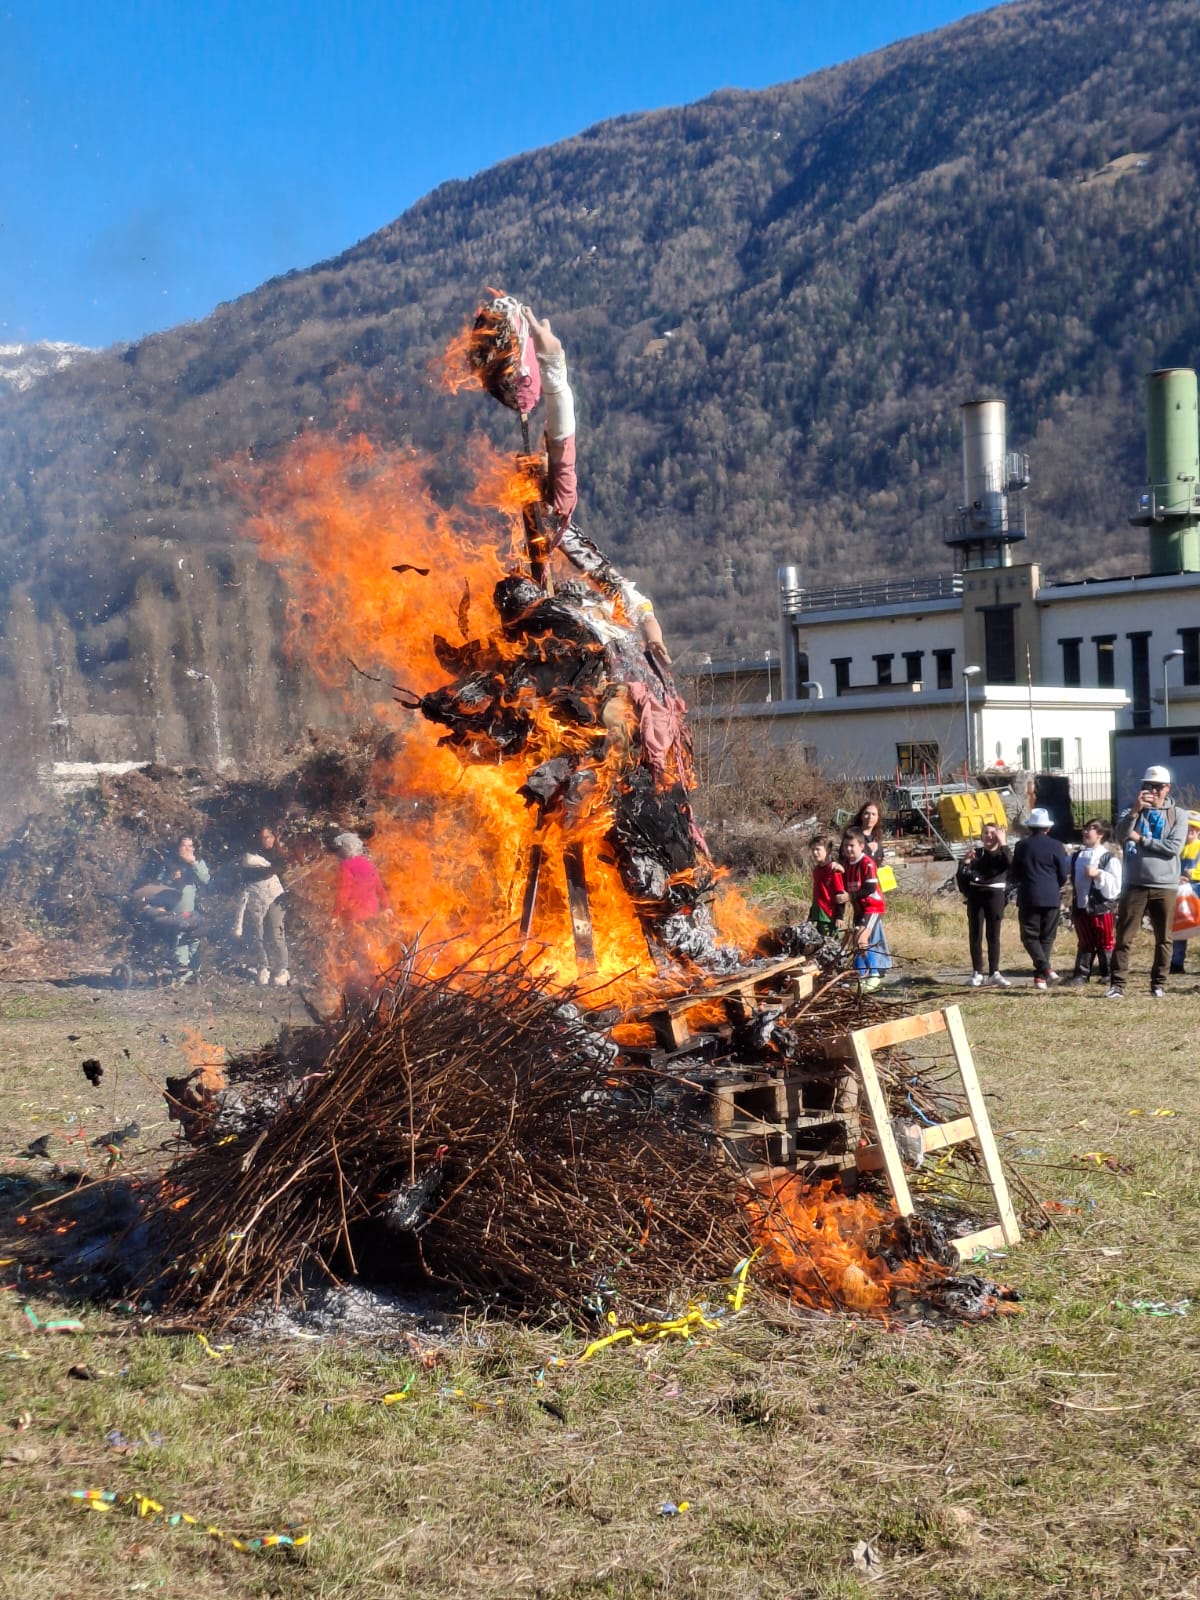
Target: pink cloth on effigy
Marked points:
661	726
660	723
564	482
529	380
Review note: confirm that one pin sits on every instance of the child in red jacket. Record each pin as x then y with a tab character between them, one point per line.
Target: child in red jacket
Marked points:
867	905
828	886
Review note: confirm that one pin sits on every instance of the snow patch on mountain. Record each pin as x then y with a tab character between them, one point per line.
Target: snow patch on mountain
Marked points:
21	365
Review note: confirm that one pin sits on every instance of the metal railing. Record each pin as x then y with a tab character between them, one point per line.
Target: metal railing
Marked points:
855	596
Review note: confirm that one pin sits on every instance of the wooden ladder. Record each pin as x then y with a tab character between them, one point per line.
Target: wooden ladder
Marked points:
856	1050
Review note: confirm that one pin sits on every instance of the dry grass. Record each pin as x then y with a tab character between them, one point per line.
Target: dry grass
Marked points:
1054	1452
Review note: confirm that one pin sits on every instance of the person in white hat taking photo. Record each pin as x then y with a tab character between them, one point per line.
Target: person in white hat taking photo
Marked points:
1151	835
1040	867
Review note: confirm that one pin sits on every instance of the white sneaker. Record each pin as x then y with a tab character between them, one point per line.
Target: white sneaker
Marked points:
264	977
1158	994
977	980
282	979
1115	994
1000	980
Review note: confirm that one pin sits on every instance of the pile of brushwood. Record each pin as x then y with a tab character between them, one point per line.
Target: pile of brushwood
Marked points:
68	868
466	1123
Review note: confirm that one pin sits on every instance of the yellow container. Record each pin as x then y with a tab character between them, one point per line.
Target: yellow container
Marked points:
953	816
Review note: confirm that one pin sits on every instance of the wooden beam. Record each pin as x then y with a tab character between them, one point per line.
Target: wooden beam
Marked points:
947	1133
882	1034
877	1104
986	1239
983	1126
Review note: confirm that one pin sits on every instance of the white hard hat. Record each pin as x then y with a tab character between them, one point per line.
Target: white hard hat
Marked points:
1039	817
1156	775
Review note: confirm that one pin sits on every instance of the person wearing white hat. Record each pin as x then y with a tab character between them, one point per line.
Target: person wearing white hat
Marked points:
1040	867
1151	833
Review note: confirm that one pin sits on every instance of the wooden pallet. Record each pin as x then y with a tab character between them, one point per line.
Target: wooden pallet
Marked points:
669	1017
857	1048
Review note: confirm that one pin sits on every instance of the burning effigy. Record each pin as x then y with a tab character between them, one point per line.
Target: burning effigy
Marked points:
522	1093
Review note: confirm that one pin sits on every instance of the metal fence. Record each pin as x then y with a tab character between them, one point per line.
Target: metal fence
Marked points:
1088	789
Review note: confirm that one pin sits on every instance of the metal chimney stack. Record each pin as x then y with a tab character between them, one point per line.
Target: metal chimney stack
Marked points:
991	517
1170	503
789	600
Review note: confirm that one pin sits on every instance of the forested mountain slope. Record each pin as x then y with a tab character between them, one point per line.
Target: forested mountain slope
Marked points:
773	302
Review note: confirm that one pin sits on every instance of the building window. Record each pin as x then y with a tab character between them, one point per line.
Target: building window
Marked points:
1106	659
1023	755
918	759
1189	638
1052	755
883	669
841	673
944	661
1184	744
1139	650
1072	671
1000	644
912	665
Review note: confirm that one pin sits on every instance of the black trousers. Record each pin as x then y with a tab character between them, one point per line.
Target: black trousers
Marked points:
1039	924
985	912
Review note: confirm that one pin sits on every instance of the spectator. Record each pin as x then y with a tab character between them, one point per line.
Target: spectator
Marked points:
1189	869
1040	867
1095	890
360	893
1151	834
170	903
261	908
982	876
870	823
867	906
829	886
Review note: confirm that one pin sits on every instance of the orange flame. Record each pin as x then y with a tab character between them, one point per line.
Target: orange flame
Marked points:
205	1057
816	1238
454	844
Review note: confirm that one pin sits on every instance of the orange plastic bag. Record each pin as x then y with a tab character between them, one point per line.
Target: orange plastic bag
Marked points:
1186	921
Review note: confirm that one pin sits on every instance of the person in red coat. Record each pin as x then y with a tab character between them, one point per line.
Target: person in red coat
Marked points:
360	894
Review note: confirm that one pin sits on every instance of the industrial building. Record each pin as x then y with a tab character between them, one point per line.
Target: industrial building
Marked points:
989	665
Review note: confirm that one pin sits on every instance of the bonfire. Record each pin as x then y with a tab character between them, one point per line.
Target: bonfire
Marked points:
490	1104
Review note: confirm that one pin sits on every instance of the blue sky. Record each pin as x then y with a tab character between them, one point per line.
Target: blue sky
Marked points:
159	157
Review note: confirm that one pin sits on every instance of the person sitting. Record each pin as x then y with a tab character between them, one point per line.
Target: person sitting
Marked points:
169	903
261	908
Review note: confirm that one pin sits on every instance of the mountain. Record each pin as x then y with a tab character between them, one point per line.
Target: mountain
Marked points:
773	302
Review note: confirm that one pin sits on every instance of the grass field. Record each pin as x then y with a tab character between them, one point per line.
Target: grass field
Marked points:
1053	1452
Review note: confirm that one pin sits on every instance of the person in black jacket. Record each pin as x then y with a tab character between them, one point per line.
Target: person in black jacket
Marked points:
983	878
1040	867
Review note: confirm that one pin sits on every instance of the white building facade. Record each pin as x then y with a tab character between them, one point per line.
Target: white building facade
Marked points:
988	669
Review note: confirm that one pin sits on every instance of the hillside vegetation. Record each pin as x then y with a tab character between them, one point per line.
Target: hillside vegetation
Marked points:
774	304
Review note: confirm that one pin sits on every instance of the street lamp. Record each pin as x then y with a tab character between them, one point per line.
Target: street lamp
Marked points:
968	673
811	683
1167	659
